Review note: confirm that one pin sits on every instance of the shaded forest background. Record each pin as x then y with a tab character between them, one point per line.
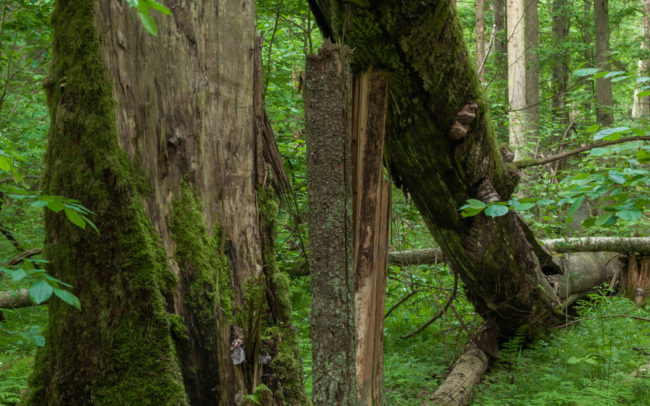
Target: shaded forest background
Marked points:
603	192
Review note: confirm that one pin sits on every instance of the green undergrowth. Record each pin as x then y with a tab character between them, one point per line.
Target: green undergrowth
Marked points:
17	347
591	362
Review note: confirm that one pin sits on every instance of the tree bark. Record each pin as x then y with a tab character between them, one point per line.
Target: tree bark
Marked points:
15	299
604	98
458	387
480	37
328	111
532	69
501	54
560	63
517	77
174	286
641	105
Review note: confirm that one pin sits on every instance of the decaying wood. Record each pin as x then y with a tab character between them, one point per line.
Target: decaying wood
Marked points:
23	256
560	245
457	388
15	299
371	222
329	180
635	279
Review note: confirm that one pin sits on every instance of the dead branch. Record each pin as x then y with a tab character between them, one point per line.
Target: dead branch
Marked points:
438	315
15	299
527	163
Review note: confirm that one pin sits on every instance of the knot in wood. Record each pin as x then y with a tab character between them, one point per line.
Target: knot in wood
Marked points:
486	192
458	131
175	140
468	113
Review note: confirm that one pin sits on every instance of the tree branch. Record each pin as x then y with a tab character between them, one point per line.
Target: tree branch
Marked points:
438	315
527	163
402	300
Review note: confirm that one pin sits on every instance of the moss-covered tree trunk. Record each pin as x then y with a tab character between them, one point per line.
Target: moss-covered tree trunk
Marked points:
157	136
440	147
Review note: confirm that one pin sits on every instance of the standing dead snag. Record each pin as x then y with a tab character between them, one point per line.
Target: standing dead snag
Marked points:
329	174
371	222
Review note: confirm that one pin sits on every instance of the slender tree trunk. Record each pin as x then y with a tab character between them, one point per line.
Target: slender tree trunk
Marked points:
501	54
172	172
587	37
641	105
604	97
517	77
532	68
328	111
480	37
560	63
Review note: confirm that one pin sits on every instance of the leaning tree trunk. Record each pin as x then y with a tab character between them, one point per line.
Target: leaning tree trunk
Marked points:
157	136
440	148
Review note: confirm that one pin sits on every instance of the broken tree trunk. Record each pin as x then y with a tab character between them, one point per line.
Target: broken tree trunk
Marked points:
371	221
440	148
329	175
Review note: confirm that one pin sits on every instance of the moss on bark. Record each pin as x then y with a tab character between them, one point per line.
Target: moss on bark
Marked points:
118	350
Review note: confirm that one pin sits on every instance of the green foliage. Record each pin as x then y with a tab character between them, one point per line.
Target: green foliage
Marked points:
143	7
591	362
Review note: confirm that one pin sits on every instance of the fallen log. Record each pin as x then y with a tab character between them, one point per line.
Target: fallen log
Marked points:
15	299
459	385
639	245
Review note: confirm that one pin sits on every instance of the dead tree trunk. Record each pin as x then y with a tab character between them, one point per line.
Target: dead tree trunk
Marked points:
371	222
329	172
604	96
175	286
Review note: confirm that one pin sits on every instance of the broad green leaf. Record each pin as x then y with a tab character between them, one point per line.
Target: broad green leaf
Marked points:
75	218
68	297
616	177
643	79
603	218
496	210
589	222
55	206
629	214
39	340
157	6
474	204
16	275
40	291
643	94
38	204
599	75
593	128
5	164
575	206
573	360
585	72
599	152
545	202
149	23
614	73
609	132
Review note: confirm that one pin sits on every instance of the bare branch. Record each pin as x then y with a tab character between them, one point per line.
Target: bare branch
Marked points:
438	315
527	163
